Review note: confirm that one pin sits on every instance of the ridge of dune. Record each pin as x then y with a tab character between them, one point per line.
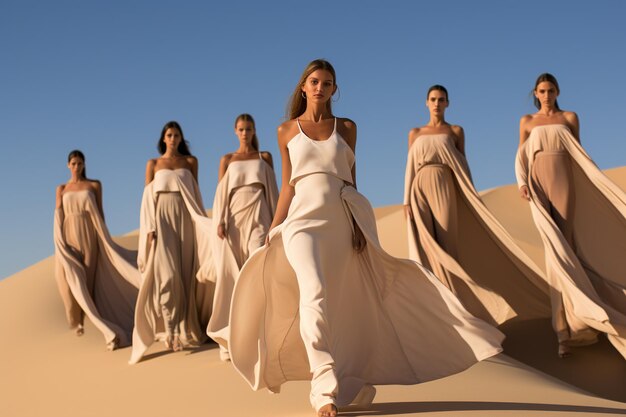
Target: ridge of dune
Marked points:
47	371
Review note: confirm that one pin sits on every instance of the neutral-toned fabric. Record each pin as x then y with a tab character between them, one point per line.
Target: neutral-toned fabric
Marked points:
581	217
178	277
96	277
309	307
245	203
456	236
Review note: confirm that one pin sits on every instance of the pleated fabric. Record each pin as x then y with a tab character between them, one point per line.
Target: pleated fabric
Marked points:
454	234
96	277
309	307
581	217
245	203
178	277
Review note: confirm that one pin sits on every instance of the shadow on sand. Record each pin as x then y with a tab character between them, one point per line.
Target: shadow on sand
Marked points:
383	409
598	369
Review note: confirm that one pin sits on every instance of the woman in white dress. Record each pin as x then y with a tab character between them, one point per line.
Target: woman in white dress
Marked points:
452	233
174	258
243	208
96	277
581	217
323	301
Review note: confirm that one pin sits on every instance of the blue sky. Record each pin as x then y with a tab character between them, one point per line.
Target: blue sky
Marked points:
105	76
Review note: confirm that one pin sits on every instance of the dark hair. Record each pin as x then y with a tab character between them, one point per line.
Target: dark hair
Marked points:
437	87
245	117
297	103
546	77
183	146
78	154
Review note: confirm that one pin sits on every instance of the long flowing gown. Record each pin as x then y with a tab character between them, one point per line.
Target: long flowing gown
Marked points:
96	277
178	277
245	202
453	234
581	217
308	307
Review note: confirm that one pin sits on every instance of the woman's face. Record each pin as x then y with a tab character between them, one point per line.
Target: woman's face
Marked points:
76	166
546	93
319	86
244	131
437	102
172	138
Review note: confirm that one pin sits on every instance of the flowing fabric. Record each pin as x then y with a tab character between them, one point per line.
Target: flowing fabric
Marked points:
245	203
581	217
309	307
453	234
178	277
96	277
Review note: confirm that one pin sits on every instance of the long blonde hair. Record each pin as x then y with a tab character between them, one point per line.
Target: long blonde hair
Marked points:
297	104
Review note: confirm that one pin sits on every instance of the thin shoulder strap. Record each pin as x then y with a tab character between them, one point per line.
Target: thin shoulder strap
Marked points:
299	127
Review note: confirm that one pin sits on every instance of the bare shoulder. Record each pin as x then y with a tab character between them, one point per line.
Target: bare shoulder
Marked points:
266	155
225	159
457	130
151	163
286	131
95	184
526	119
570	116
413	134
60	189
346	123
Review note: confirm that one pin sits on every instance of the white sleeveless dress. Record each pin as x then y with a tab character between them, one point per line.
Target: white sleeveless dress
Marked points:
309	307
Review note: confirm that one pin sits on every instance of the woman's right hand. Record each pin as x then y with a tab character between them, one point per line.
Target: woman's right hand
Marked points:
524	192
221	231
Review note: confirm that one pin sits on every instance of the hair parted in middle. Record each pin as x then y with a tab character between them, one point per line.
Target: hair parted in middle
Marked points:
438	87
297	103
183	146
245	117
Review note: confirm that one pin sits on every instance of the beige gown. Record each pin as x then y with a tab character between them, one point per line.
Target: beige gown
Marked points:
309	307
245	202
454	235
581	217
96	277
178	277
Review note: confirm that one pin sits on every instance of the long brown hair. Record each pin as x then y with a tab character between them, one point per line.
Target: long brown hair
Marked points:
245	117
78	154
297	104
546	76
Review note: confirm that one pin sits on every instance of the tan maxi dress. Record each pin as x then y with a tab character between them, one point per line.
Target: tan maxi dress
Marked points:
454	235
245	202
308	307
96	277
581	217
176	293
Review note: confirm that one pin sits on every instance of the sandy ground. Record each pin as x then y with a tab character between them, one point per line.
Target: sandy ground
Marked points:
47	371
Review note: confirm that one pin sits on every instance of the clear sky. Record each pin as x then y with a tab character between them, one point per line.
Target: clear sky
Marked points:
104	76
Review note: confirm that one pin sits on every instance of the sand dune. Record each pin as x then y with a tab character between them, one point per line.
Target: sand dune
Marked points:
47	371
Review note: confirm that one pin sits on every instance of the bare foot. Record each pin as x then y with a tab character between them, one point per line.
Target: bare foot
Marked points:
564	351
328	410
168	341
176	344
80	330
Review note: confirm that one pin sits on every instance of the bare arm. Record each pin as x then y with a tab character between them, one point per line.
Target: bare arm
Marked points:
224	161
523	135
59	196
97	188
267	157
150	171
460	139
193	166
573	124
287	191
348	132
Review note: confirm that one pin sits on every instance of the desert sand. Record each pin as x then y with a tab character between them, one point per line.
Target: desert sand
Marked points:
48	371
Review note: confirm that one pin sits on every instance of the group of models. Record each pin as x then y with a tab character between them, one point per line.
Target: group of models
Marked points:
295	285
